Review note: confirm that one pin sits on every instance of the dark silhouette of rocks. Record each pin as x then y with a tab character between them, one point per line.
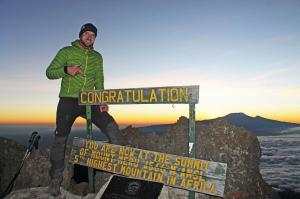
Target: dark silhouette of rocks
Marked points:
222	142
11	154
289	194
217	141
41	193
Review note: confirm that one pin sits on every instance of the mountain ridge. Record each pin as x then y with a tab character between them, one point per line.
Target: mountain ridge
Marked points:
258	125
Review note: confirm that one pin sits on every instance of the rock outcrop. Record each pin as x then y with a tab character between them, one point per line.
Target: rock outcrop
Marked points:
218	141
222	142
41	193
11	154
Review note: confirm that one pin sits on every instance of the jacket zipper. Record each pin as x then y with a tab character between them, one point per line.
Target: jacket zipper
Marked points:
86	65
69	85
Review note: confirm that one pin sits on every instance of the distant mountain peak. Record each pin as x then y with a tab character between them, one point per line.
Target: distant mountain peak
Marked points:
240	113
237	116
259	125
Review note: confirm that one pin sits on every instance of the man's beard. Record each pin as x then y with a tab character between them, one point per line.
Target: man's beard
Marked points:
87	43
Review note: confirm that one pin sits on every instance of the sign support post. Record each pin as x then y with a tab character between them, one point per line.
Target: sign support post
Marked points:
90	136
192	138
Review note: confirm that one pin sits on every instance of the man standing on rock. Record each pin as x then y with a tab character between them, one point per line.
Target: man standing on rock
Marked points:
81	68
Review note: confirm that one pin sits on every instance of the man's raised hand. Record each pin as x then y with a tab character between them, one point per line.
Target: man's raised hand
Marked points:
74	70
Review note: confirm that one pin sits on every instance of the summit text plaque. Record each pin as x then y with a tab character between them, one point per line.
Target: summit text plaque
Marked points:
177	171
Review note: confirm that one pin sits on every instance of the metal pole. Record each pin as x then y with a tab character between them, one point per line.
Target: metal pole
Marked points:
90	136
192	138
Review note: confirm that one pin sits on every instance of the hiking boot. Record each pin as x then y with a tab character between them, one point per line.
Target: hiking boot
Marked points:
54	187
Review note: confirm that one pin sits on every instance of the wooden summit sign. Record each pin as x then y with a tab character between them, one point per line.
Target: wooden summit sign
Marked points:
176	171
154	95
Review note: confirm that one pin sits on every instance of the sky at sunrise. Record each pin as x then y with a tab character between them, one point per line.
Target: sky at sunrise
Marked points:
244	55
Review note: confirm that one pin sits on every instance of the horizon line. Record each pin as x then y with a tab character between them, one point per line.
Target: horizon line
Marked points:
82	122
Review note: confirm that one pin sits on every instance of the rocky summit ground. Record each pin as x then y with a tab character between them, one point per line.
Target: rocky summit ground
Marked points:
218	141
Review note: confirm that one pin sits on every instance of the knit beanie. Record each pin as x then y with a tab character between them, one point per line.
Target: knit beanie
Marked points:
88	27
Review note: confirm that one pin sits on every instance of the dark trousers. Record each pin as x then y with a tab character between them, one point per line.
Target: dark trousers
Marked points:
67	112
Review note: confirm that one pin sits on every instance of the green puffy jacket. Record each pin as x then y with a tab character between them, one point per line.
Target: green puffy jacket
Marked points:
90	62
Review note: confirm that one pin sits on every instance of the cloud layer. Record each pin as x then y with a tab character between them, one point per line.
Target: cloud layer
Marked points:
280	161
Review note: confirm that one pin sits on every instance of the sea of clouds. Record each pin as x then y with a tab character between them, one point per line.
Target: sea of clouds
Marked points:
280	161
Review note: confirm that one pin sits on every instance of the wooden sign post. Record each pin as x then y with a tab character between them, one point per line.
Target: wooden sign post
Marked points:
154	95
177	171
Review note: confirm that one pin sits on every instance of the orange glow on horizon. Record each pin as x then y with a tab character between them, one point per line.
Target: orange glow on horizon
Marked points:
139	121
140	115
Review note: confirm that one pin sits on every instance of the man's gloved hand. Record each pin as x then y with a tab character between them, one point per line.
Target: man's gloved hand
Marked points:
74	70
103	107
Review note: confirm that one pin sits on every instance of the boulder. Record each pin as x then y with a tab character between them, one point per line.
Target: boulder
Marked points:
41	193
11	155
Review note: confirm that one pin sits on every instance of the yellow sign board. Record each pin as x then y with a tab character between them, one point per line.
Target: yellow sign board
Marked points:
155	95
176	171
